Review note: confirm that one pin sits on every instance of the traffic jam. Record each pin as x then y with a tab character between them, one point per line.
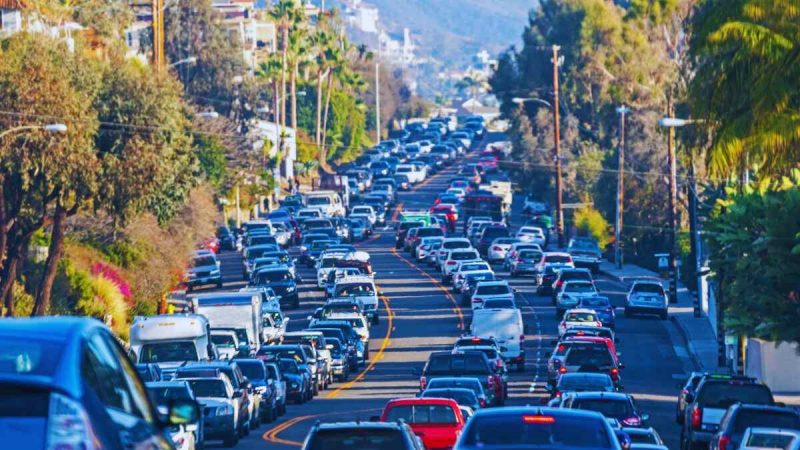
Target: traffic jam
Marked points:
294	307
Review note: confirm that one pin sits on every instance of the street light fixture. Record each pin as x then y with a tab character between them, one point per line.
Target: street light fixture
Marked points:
189	60
50	128
209	114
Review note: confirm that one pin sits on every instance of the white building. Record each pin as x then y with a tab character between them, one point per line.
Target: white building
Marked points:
366	19
10	17
268	133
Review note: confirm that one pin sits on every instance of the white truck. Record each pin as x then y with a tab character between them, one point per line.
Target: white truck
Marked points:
328	202
506	327
233	310
170	340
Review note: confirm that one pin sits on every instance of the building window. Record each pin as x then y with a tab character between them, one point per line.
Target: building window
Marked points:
10	20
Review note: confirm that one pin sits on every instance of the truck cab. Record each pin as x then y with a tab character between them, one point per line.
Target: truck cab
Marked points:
170	340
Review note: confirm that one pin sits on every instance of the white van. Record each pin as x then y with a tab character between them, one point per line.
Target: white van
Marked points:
328	202
170	340
506	327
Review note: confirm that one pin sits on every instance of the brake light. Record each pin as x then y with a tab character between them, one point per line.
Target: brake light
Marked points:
496	248
422	383
562	369
632	421
723	442
559	283
476	339
614	372
68	425
521	337
561	347
697	417
538	419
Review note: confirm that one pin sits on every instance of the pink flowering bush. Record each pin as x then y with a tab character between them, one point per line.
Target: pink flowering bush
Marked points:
109	273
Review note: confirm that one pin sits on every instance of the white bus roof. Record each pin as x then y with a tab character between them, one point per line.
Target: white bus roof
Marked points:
168	327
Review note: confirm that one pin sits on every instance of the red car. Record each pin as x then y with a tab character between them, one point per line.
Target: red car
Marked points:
446	210
211	244
437	421
609	343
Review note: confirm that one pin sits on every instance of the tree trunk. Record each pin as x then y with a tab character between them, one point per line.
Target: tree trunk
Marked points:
283	74
293	83
42	305
319	109
13	257
323	154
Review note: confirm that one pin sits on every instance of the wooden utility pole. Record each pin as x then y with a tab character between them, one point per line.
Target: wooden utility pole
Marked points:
159	57
622	110
673	211
377	102
557	139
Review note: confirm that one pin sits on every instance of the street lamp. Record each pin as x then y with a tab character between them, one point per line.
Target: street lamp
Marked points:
208	114
189	60
50	128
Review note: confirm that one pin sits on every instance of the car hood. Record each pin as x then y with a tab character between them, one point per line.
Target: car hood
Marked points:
214	401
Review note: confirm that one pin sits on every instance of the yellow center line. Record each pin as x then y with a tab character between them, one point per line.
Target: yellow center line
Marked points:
272	435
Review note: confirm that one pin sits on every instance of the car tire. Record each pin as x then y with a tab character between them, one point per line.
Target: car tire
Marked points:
232	440
664	315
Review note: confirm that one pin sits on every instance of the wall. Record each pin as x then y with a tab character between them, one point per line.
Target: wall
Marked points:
778	367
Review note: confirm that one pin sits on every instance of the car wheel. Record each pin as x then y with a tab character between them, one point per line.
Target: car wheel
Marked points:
664	315
232	440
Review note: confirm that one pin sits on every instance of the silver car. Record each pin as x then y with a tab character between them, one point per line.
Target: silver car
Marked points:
647	297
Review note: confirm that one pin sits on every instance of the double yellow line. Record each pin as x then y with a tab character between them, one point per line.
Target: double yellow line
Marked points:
272	434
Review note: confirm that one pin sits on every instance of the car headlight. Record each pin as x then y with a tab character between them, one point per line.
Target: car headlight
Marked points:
294	385
290	289
215	272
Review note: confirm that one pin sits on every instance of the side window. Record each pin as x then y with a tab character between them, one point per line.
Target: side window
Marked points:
103	374
137	389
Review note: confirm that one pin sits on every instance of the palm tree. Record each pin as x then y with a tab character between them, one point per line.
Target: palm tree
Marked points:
748	84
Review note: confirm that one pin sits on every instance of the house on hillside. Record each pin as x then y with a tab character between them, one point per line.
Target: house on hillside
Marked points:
10	17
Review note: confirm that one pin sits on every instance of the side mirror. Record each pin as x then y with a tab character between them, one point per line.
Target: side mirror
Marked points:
182	412
238	393
329	347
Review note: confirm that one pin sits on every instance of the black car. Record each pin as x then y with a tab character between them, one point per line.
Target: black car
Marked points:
298	381
740	417
295	352
282	282
227	241
256	374
361	435
351	338
687	394
473	364
68	383
348	344
241	386
582	382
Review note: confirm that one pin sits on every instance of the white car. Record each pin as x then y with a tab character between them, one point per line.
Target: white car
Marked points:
414	173
458	192
459	276
310	213
226	342
554	258
454	258
507	328
534	235
571	293
425	247
449	244
325	264
647	297
433	254
359	324
499	248
491	290
578	317
360	288
516	248
364	211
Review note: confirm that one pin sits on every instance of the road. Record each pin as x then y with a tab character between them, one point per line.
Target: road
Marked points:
420	316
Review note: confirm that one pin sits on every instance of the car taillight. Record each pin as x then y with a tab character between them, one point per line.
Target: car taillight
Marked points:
490	380
632	421
521	337
562	369
614	373
559	283
483	402
451	263
422	383
496	248
538	419
723	442
697	417
68	425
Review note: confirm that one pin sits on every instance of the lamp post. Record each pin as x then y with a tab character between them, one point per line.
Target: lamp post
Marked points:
189	60
50	128
622	110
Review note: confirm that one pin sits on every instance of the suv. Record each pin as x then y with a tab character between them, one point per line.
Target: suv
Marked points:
248	398
591	358
205	270
222	405
360	288
438	421
612	405
585	253
282	282
569	274
712	398
647	297
388	435
463	364
740	417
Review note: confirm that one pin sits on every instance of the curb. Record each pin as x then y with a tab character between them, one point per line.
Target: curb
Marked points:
617	278
689	347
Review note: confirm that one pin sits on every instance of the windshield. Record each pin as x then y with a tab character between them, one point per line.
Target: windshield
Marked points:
580	317
759	418
492	290
724	394
463	397
471	267
318	201
320	245
769	440
422	414
495	232
204	261
588	357
357	438
288	366
208	388
530	255
223	340
584	383
161	395
474	278
168	352
274	276
355	289
513	431
607	407
313	213
29	356
253	370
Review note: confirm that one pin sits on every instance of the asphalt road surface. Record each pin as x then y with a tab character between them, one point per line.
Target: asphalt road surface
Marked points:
419	316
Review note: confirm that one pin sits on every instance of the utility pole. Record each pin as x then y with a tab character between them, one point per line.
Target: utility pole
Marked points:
673	211
557	143
238	208
158	34
696	244
377	102
622	110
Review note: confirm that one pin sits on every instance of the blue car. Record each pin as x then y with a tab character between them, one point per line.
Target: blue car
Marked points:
602	307
78	388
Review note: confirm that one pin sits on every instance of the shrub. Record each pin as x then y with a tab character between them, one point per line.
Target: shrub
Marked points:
590	222
100	269
106	299
124	253
23	301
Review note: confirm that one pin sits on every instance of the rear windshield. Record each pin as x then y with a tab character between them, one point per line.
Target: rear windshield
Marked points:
29	356
428	232
422	414
495	232
463	256
567	383
208	388
492	290
606	407
557	259
569	275
724	394
462	396
272	277
355	289
648	288
774	419
357	438
513	431
528	254
253	371
769	440
586	357
461	364
579	287
456	244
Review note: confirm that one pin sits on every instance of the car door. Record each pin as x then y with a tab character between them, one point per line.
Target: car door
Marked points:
110	380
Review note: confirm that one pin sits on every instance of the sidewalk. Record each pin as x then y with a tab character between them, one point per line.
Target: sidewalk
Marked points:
696	332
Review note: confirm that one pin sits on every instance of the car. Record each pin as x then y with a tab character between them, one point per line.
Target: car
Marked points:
571	292
250	254
258	377
741	416
190	435
449	244
464	269
79	389
585	253
647	297
355	346
537	427
612	405
423	232
565	274
499	248
303	356
488	235
524	262
247	399
590	357
686	394
454	259
470	283
361	288
603	307
282	282
438	421
582	382
473	364
204	270
547	278
361	435
578	317
760	438
472	384
366	211
555	362
339	358
491	290
534	235
358	323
